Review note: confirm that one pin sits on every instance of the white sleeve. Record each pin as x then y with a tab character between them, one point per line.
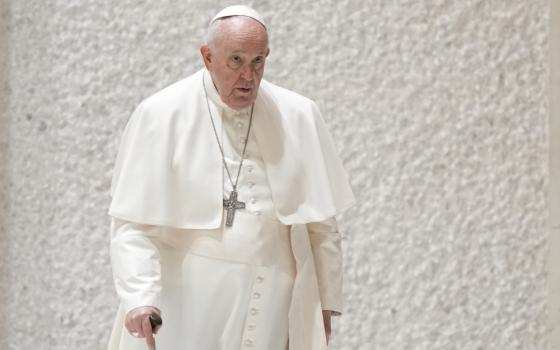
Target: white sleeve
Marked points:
327	254
135	260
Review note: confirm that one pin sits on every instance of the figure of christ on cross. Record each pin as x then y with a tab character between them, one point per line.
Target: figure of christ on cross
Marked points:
231	205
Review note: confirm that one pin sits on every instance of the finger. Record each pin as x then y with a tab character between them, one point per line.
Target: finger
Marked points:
133	325
139	328
130	326
147	328
327	324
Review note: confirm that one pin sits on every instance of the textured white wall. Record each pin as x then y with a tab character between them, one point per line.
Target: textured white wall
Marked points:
439	112
554	174
4	161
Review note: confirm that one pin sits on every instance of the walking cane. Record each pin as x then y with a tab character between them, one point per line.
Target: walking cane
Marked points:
155	321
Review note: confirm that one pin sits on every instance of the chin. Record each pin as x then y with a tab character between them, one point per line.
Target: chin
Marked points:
241	103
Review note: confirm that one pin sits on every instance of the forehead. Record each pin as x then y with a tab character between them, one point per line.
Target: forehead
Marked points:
242	34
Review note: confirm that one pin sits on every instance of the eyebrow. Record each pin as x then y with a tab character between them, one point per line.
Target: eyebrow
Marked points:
239	52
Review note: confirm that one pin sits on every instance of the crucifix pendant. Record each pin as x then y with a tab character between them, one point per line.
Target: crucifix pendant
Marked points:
231	205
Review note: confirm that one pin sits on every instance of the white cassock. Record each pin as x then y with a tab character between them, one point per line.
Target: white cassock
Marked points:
260	284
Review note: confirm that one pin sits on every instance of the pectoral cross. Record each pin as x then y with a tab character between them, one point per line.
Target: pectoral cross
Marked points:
231	205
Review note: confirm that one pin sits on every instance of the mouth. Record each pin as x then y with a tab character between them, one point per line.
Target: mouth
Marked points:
243	90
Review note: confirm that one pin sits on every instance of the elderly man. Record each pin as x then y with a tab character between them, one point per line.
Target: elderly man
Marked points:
223	202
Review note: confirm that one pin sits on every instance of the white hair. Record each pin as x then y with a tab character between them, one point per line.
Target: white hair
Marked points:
215	29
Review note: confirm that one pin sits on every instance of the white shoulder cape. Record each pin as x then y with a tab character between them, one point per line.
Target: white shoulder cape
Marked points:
169	169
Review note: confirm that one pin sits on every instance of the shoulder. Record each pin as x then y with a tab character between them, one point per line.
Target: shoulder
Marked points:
169	108
294	109
288	99
173	96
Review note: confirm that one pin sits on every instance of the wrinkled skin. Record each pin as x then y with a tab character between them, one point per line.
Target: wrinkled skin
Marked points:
235	59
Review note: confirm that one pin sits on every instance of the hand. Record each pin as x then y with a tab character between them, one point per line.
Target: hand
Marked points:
327	323
137	323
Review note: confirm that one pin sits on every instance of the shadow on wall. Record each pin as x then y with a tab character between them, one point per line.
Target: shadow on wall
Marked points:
5	20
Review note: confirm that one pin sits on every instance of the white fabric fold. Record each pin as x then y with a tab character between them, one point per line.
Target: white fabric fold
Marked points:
325	242
169	169
135	260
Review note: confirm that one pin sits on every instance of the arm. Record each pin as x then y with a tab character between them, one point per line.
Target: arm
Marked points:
327	255
136	267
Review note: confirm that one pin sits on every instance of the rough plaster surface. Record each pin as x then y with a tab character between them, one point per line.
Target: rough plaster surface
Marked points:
437	107
554	105
554	175
4	160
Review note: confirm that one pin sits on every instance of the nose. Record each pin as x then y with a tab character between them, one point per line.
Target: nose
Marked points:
247	73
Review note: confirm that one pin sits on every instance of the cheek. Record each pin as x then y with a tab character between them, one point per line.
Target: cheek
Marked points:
231	85
226	82
228	87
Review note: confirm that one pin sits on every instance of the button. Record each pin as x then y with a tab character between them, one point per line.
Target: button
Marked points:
250	168
239	125
258	213
260	279
254	311
251	327
253	201
256	295
248	342
242	140
251	184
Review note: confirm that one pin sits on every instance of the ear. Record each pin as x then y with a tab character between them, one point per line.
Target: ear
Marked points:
206	56
267	52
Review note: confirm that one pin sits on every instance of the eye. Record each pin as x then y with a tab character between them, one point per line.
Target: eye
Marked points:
235	61
258	61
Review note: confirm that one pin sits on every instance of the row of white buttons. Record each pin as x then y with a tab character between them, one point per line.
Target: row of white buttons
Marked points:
251	185
241	114
248	169
254	310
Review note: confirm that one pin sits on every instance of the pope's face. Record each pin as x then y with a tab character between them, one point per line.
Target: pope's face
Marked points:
235	60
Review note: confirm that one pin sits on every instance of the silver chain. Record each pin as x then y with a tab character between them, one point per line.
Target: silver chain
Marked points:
233	185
